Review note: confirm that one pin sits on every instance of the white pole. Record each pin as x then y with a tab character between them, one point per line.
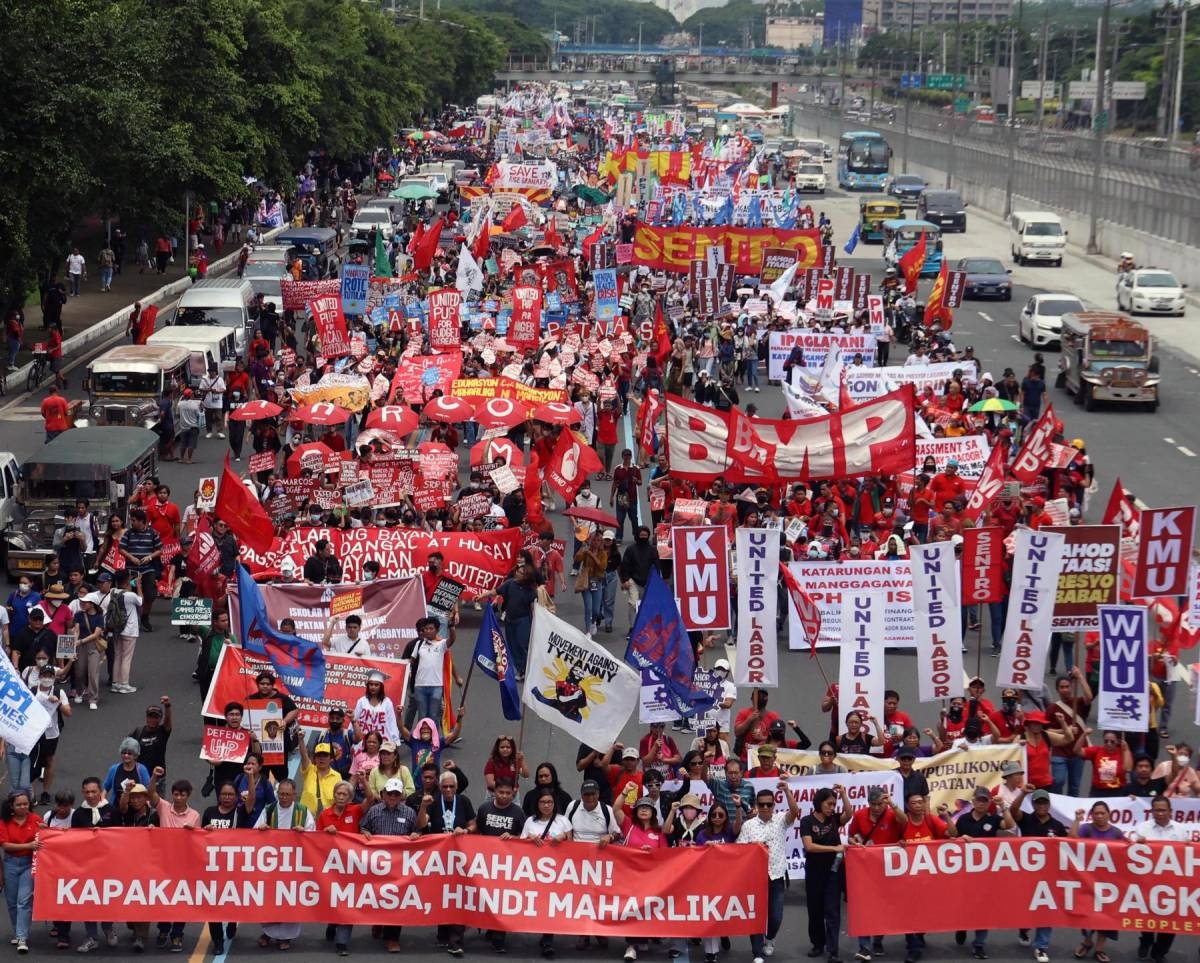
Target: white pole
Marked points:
1183	11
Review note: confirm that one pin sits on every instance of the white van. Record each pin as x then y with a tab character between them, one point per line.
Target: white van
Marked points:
1036	236
224	302
209	344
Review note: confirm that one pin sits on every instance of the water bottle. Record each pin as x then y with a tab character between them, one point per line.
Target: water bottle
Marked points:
837	862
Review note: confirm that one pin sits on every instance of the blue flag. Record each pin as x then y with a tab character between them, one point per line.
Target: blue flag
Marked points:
724	216
754	216
659	643
299	663
852	243
491	655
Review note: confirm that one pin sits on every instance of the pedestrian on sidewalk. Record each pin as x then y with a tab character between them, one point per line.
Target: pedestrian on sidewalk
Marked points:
76	270
14	333
118	248
163	252
106	261
52	304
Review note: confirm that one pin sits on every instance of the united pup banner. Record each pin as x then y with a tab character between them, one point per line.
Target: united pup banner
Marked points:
345	681
1123	699
1037	556
860	668
143	875
673	248
1090	574
982	565
832	586
700	555
445	325
757	596
873	438
1051	882
330	324
937	621
524	328
1164	550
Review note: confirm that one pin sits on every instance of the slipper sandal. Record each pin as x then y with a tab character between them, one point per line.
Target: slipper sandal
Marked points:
285	945
1082	950
264	941
1102	957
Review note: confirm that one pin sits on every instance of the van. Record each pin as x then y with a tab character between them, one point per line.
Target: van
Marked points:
208	345
125	383
224	302
1036	236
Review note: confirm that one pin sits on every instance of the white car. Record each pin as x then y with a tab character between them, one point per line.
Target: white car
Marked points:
1040	322
810	177
369	219
1151	291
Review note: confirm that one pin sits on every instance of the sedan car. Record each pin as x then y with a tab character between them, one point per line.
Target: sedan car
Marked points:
986	278
946	209
1040	322
1151	291
906	188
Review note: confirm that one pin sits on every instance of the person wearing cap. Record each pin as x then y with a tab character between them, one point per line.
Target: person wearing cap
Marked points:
625	778
153	738
141	547
685	820
1039	823
641	831
88	629
947	485
33	639
982	821
771	829
1012	776
390	767
658	750
318	778
340	737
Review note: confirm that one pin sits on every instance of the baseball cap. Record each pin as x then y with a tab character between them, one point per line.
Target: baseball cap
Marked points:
1040	795
1036	716
609	533
644	803
394	785
1011	768
336	711
722	664
952	463
589	785
387	746
629	752
778	726
104	577
154	710
981	792
322	747
906	752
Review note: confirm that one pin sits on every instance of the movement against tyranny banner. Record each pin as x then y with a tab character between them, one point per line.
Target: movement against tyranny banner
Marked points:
951	775
816	345
937	621
1037	556
757	597
1052	882
345	682
674	248
873	438
831	586
701	578
478	560
860	667
575	684
1123	698
144	875
389	609
1089	576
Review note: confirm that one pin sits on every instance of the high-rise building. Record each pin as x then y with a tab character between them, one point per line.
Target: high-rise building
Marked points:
901	12
794	33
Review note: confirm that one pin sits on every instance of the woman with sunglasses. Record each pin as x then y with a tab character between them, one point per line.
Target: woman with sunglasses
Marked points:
1111	761
718	830
827	766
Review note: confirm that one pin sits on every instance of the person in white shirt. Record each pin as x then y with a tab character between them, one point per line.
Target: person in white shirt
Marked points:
769	828
427	662
1160	825
76	270
353	642
547	827
212	392
917	358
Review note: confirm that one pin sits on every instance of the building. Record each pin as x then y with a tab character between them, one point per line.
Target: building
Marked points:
850	21
794	33
896	13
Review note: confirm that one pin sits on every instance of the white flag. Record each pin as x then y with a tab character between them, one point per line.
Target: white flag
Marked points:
22	718
469	276
576	684
937	621
860	670
777	290
1037	558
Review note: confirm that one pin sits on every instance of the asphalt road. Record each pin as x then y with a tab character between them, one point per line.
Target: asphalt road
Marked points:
1143	448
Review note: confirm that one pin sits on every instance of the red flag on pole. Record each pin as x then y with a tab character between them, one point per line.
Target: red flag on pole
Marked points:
240	510
806	608
515	219
427	245
662	335
910	264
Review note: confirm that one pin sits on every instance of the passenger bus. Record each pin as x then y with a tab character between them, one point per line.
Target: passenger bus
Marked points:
864	158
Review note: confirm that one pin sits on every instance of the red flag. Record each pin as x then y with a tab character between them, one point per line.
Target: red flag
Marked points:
571	465
533	493
746	448
479	247
1035	452
515	219
427	245
988	486
662	335
1121	511
806	608
591	240
910	264
845	402
551	237
203	559
416	238
240	510
936	311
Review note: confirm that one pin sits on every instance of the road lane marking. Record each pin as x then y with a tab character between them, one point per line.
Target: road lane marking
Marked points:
1169	441
985	316
1186	451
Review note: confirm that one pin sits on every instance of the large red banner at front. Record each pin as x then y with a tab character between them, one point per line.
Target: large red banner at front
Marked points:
1074	883
876	437
674	248
147	875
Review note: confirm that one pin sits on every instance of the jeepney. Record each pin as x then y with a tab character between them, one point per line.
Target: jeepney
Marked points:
902	234
103	465
124	384
873	210
1108	356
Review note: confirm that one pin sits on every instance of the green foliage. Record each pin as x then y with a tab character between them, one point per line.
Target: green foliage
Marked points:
122	106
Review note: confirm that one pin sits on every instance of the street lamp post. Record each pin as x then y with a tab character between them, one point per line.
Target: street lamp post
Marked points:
1011	120
912	14
1183	12
1099	122
954	88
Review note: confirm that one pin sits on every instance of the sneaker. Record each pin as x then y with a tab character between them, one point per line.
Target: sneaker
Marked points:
630	953
161	940
673	953
877	948
78	700
110	937
1041	956
176	944
1023	937
87	946
710	958
455	951
863	956
139	946
22	946
208	434
44	799
758	959
220	434
979	953
342	949
768	947
92	705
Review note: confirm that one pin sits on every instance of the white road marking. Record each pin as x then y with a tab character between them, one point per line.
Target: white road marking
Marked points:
985	316
1015	338
1169	441
1186	451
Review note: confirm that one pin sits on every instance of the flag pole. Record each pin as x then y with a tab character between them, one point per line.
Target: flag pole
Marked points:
525	682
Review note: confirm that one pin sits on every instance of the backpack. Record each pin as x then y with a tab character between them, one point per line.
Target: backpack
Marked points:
117	615
605	808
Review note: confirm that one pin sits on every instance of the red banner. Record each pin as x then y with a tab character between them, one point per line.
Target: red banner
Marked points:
571	464
1164	551
445	329
223	744
146	875
345	682
701	558
525	326
674	248
418	377
330	324
1036	450
296	294
479	560
1053	882
988	486
982	565
875	437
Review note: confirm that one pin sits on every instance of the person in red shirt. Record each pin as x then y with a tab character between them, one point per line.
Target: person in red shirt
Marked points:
342	817
54	351
626	779
880	823
920	506
1111	762
752	724
163	514
921	826
56	414
798	505
19	826
1037	751
606	434
895	719
947	486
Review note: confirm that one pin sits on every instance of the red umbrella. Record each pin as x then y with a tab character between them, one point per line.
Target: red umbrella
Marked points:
255	410
557	413
298	460
434	448
448	409
497	449
597	515
321	413
500	413
398	419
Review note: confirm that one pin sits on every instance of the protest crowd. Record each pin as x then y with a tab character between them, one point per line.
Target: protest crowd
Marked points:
539	387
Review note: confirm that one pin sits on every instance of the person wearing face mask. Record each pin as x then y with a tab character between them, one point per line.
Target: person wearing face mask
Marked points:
58	707
1178	773
634	571
32	639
